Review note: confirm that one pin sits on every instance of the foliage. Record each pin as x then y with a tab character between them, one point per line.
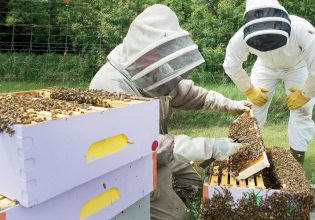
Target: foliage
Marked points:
92	29
44	67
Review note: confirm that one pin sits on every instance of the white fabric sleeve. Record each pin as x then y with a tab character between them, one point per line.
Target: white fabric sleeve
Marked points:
188	149
309	88
305	35
236	54
242	80
217	102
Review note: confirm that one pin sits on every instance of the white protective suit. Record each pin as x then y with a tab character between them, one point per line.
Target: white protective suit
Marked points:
294	63
152	61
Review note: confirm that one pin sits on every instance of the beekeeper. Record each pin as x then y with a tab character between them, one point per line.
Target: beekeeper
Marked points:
153	61
285	49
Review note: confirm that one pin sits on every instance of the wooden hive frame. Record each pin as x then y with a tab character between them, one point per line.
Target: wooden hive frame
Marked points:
226	180
250	167
6	202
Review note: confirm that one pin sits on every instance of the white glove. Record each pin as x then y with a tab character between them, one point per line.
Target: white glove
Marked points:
240	106
224	147
188	149
217	102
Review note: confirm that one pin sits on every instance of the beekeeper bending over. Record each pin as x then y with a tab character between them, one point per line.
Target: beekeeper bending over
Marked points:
153	61
285	49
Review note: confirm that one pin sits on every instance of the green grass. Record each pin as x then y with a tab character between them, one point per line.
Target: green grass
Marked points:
11	86
49	67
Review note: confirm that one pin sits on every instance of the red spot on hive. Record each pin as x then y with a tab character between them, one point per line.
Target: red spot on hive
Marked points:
155	145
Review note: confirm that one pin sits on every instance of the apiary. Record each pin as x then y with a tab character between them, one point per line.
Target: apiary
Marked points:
280	191
54	140
251	158
125	189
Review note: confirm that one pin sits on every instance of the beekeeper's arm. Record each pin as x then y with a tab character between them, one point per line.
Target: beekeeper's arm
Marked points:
237	53
200	148
186	149
187	96
305	36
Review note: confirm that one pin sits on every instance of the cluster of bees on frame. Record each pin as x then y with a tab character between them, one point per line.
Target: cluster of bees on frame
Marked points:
93	97
31	109
245	130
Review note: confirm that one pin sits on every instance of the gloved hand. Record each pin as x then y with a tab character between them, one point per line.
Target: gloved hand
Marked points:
240	106
257	96
296	99
217	102
224	147
188	149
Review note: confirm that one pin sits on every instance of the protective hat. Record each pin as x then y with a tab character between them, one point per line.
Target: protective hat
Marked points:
156	52
267	25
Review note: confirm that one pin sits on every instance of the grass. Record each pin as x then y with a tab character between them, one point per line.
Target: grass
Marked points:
11	86
46	67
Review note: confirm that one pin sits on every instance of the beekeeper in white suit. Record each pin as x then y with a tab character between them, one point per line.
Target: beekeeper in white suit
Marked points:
153	61
285	50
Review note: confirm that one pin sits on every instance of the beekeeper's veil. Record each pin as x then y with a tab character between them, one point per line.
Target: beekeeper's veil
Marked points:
267	25
156	53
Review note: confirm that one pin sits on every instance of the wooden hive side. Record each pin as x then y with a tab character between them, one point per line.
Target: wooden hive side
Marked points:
225	179
6	202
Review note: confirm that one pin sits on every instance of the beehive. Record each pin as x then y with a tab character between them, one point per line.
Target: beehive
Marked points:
278	192
43	159
103	198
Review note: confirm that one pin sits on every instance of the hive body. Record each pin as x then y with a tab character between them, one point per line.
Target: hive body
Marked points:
278	192
42	160
132	184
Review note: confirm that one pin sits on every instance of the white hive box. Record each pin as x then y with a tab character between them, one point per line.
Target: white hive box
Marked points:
139	210
100	199
43	160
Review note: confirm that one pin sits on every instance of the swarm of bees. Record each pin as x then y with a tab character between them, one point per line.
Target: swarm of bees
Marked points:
36	107
288	172
18	109
80	95
245	130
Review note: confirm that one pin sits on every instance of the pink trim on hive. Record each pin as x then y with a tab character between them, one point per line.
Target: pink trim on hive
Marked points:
2	216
